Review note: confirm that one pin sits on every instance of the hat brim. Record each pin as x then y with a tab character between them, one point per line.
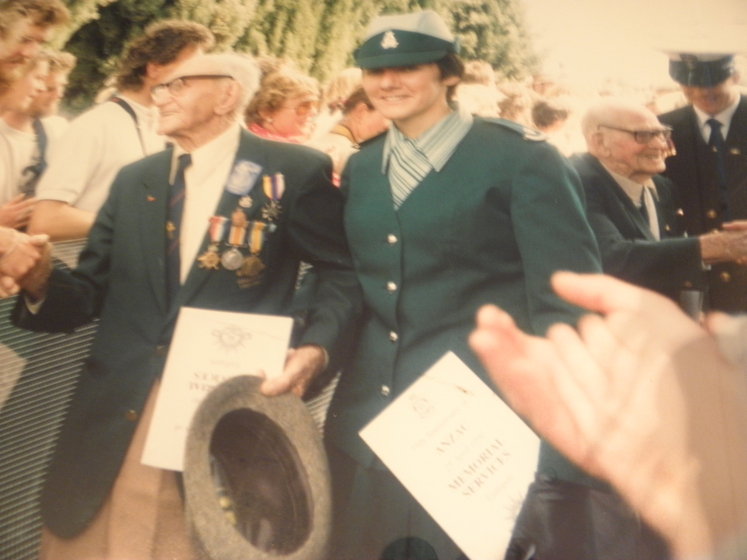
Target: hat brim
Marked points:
271	441
395	60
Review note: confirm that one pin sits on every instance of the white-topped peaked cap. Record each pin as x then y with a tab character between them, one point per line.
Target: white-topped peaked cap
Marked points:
405	39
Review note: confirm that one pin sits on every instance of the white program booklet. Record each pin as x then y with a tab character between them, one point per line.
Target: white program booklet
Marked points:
207	348
462	453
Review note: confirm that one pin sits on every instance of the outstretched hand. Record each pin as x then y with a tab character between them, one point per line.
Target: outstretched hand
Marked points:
639	396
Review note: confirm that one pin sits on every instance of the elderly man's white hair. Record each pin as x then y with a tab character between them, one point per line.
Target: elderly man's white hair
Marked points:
610	111
241	67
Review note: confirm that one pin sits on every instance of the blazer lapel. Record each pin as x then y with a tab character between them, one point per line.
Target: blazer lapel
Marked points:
153	223
628	207
249	149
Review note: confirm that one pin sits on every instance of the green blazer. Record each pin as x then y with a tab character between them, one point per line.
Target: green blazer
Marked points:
502	215
121	279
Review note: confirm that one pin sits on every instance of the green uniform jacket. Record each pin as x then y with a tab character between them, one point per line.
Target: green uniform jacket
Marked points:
502	215
121	278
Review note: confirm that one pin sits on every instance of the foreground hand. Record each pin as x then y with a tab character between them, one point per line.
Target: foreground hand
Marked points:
301	366
641	397
16	212
20	253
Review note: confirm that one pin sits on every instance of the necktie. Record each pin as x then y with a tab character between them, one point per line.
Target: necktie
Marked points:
173	228
716	142
642	207
408	166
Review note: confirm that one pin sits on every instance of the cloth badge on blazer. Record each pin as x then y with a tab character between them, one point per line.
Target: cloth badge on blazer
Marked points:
243	176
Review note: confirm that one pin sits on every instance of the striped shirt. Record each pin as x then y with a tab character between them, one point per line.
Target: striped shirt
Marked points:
406	162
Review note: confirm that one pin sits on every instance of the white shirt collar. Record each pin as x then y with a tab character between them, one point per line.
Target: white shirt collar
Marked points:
724	117
631	188
204	157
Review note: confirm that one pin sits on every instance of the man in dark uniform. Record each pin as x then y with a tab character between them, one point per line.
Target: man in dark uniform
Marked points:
710	165
444	213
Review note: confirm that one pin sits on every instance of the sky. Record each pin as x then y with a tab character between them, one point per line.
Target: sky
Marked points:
585	41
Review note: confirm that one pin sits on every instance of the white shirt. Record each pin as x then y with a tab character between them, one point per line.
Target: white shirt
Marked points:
648	191
18	150
724	117
93	148
205	181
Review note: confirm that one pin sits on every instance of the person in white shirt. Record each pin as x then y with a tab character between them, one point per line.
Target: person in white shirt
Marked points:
18	146
25	25
97	144
46	105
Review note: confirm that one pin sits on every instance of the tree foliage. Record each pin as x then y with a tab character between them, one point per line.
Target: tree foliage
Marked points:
318	35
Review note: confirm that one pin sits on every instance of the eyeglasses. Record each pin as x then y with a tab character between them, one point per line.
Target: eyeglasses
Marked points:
175	87
304	108
645	136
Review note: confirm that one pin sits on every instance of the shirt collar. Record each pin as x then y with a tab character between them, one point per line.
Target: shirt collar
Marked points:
724	117
206	155
632	189
437	144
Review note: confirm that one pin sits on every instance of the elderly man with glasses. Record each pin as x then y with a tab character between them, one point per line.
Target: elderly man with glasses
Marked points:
635	217
634	211
150	251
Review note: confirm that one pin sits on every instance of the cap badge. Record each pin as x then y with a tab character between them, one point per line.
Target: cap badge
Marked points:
690	61
389	41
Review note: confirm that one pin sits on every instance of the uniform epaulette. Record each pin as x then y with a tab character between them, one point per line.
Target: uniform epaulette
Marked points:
528	133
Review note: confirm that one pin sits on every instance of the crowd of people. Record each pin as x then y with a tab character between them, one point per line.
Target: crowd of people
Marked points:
412	190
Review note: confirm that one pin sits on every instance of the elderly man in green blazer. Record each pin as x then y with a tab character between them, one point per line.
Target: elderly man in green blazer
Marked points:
269	205
443	213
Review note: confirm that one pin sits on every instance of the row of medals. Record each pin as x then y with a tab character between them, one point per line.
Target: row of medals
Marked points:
248	268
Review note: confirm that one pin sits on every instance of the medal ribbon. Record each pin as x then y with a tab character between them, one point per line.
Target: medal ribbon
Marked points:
257	236
274	187
237	236
217	228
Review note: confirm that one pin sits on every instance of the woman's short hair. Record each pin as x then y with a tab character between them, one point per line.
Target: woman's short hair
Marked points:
276	89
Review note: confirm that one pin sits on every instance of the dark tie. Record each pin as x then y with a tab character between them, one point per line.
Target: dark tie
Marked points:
642	207
35	170
716	142
173	227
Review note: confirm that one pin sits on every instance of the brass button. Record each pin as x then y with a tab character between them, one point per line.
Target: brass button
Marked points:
667	228
385	390
131	415
393	336
711	214
725	277
391	239
391	287
688	284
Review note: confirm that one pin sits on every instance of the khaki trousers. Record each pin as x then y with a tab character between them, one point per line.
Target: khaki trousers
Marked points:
141	519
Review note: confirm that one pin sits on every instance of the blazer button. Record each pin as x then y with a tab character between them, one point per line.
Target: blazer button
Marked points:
162	350
393	336
391	239
725	277
688	284
131	415
711	214
385	390
391	287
